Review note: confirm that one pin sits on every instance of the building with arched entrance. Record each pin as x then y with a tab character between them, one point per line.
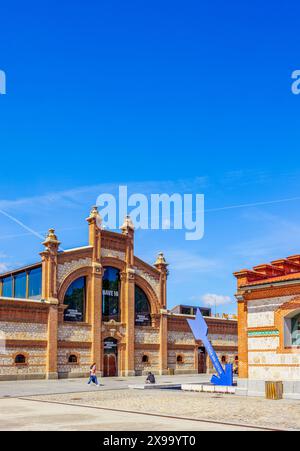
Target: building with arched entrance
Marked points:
98	303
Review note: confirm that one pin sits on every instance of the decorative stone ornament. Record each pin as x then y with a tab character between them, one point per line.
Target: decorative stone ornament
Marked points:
161	261
128	224
51	238
95	215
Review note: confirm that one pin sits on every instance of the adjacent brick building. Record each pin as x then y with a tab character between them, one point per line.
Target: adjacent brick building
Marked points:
269	326
98	303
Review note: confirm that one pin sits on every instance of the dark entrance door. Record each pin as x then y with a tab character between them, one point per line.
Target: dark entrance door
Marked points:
110	361
202	361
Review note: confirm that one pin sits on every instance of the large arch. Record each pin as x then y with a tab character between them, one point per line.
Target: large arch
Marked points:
150	293
81	272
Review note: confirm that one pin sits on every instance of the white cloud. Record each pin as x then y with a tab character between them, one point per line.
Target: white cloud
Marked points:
212	300
3	267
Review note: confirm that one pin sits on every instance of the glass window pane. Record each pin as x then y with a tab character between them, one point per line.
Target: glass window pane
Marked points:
7	287
296	331
35	283
20	285
75	300
111	294
142	308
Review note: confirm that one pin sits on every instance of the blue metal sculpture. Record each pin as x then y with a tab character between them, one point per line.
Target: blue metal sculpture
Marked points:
200	331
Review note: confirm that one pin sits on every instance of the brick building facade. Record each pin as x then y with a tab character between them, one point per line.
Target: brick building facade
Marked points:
269	326
98	303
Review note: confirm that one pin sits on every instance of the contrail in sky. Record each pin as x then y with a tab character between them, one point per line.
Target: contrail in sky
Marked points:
31	231
256	204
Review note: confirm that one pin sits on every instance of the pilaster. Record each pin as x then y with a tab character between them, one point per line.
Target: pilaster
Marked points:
129	314
163	352
49	294
95	222
51	358
162	267
128	298
243	339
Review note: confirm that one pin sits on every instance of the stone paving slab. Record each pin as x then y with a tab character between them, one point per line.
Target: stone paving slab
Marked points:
28	415
259	412
44	387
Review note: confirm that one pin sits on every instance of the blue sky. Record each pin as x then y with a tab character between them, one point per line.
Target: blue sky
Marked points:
163	96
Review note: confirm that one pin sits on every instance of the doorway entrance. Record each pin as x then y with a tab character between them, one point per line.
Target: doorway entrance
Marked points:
110	362
202	361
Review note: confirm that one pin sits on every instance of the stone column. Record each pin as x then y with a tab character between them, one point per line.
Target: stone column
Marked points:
95	303
49	294
162	267
163	353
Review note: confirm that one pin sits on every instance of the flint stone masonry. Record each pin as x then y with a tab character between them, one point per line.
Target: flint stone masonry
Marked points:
67	268
23	331
74	332
223	340
36	361
181	338
151	280
153	364
113	254
188	360
84	361
146	335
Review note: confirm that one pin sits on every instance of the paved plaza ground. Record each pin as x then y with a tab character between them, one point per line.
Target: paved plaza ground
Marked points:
72	405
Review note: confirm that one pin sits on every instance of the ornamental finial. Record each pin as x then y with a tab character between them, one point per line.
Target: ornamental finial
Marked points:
128	224
161	260
51	238
95	215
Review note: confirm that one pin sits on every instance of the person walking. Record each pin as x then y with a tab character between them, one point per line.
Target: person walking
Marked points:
93	375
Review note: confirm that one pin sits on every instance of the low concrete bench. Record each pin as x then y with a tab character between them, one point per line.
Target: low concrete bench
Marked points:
155	387
207	388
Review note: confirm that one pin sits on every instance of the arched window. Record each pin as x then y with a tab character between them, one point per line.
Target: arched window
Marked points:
224	359
145	359
75	299
111	294
73	359
179	359
20	359
296	330
142	308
